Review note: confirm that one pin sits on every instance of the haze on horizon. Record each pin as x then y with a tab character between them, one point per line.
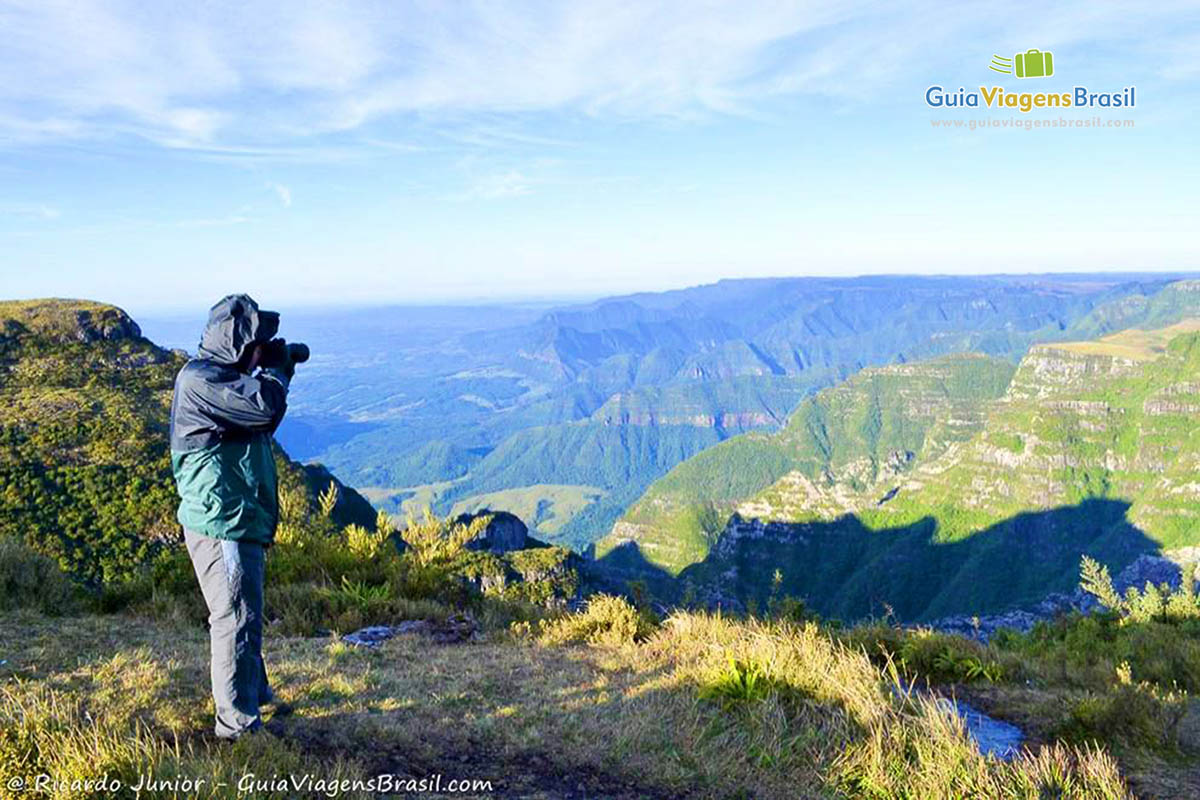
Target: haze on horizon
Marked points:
373	153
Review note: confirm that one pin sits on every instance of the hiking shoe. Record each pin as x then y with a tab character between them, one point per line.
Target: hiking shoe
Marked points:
279	708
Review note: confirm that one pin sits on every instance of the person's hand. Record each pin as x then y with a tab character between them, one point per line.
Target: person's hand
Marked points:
278	356
256	355
289	366
285	362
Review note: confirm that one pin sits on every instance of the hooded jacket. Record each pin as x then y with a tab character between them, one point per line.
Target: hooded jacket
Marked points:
222	420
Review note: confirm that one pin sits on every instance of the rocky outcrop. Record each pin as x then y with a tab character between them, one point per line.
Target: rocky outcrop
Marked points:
66	321
109	324
504	533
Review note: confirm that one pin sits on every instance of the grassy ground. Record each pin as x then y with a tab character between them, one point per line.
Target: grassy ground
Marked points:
607	701
701	706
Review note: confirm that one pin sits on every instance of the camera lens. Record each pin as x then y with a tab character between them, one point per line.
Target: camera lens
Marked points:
298	352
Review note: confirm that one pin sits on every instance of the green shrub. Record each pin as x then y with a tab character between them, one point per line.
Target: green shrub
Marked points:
941	658
546	575
740	681
320	577
784	607
1085	651
931	656
607	620
31	580
1135	713
305	609
309	553
167	590
435	553
1151	604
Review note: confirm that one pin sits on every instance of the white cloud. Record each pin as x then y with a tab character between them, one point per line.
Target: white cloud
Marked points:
230	74
29	211
500	185
282	192
213	222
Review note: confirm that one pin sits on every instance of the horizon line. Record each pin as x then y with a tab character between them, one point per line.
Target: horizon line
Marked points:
565	300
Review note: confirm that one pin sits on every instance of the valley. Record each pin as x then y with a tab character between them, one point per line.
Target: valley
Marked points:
443	406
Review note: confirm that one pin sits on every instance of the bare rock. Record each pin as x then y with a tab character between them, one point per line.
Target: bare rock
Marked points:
455	629
505	532
107	324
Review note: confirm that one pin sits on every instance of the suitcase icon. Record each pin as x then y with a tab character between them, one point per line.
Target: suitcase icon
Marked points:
1034	64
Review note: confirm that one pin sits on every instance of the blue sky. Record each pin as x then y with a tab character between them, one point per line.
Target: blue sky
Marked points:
160	154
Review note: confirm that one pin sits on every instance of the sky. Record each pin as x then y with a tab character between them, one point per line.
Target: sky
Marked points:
161	154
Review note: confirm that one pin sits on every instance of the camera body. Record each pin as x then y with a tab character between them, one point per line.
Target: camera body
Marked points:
278	352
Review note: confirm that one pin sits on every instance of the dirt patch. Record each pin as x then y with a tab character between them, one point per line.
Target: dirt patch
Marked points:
527	775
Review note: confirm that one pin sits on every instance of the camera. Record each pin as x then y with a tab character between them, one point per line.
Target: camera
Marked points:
278	352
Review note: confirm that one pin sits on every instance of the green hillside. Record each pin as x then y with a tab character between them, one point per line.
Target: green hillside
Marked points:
1115	418
85	473
1150	308
544	508
847	439
1094	449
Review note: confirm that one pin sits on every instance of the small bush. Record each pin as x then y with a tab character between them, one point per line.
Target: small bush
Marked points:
31	580
165	589
607	620
367	544
784	607
309	554
304	609
940	658
1151	604
1084	651
740	681
1137	713
436	550
931	656
547	578
132	592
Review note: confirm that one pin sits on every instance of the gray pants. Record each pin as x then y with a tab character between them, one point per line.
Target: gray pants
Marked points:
231	578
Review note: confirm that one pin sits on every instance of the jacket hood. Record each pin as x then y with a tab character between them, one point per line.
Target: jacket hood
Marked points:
235	323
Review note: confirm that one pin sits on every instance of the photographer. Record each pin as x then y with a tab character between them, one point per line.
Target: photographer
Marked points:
222	418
